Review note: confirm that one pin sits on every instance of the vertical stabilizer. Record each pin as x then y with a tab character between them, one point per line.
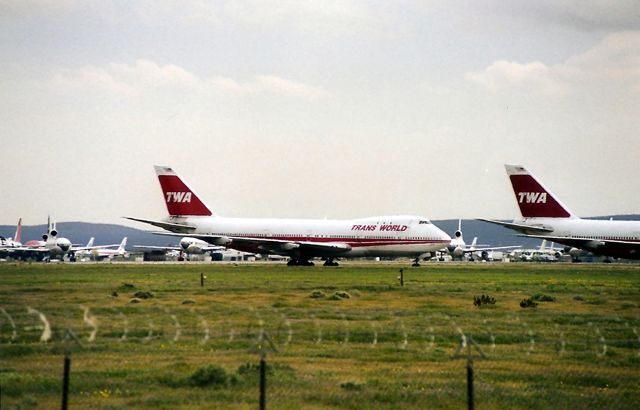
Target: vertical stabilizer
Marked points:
180	199
123	244
534	200
18	235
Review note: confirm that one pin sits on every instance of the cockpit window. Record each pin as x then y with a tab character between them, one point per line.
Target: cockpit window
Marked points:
424	221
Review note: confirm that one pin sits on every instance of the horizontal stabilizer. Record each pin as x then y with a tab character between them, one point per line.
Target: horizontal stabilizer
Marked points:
523	228
174	227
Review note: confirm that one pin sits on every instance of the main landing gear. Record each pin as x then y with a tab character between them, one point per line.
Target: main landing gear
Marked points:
299	262
416	263
331	262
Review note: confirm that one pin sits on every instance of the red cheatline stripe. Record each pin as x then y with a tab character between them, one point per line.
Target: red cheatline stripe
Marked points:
354	242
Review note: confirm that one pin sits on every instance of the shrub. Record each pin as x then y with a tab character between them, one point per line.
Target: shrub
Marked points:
317	294
135	300
209	375
188	302
339	295
483	300
126	287
543	298
352	385
141	294
528	303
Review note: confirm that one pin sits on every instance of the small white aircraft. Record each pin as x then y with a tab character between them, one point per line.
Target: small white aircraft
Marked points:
188	245
300	239
543	253
10	243
458	249
103	251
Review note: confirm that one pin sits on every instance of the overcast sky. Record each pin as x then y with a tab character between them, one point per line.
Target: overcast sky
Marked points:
327	108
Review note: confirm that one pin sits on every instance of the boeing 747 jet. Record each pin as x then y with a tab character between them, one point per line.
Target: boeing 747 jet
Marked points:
299	239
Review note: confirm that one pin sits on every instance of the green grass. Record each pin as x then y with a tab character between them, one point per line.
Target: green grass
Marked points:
384	347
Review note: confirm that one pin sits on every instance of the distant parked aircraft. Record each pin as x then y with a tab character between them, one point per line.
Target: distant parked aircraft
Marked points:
457	248
300	239
52	246
545	217
10	243
103	251
188	245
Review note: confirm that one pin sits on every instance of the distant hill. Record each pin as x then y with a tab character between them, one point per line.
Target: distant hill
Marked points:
80	232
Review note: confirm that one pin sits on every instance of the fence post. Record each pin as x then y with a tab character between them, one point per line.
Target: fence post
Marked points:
201	279
469	379
401	277
65	380
263	382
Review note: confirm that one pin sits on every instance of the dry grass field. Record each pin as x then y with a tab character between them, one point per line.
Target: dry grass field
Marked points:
150	336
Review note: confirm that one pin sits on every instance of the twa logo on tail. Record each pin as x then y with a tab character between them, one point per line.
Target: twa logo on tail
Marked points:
532	197
534	200
180	197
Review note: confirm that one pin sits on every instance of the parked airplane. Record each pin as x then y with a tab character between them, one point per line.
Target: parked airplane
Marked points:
541	254
9	243
50	247
457	248
300	239
188	245
102	251
545	217
85	253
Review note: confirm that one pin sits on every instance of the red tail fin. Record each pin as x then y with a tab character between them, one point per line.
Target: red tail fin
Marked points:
180	199
534	200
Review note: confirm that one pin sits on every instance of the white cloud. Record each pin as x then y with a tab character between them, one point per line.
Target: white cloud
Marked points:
614	61
120	78
534	76
20	8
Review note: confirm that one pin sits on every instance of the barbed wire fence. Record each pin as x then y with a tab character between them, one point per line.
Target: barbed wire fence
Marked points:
340	358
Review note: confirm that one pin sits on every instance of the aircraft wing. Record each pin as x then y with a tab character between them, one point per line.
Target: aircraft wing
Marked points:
522	228
170	226
492	248
274	246
90	248
157	248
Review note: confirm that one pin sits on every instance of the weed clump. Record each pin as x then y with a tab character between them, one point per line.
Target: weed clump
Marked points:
578	298
317	294
142	294
483	300
540	297
527	303
352	386
126	287
340	295
135	300
210	375
188	302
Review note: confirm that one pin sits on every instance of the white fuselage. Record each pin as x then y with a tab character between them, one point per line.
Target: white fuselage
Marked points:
596	231
393	236
588	228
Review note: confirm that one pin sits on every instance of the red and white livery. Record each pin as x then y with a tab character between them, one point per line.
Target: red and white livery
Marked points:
300	239
545	217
